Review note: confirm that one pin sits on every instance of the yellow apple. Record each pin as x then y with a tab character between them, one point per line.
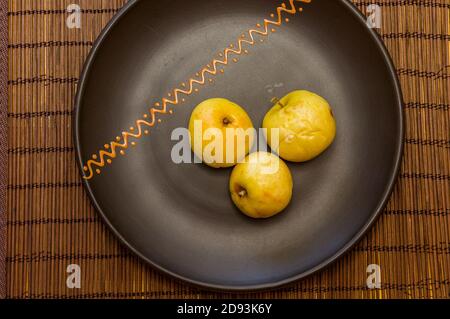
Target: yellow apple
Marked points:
306	126
221	132
261	186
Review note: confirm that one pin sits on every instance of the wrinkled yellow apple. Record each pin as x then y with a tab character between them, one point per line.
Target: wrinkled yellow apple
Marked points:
306	126
221	132
261	186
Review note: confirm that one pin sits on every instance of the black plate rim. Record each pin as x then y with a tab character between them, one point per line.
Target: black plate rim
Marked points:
326	263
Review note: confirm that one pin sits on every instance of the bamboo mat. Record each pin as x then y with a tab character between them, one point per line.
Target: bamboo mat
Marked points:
51	223
3	138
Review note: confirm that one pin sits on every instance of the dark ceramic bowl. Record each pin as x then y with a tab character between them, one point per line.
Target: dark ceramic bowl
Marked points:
179	218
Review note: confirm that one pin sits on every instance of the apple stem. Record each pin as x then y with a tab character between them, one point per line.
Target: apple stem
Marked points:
242	193
277	101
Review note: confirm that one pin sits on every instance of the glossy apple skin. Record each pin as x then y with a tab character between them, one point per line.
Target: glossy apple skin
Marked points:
307	126
212	113
261	186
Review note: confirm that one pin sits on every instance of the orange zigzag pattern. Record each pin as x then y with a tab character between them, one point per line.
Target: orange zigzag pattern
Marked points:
110	151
